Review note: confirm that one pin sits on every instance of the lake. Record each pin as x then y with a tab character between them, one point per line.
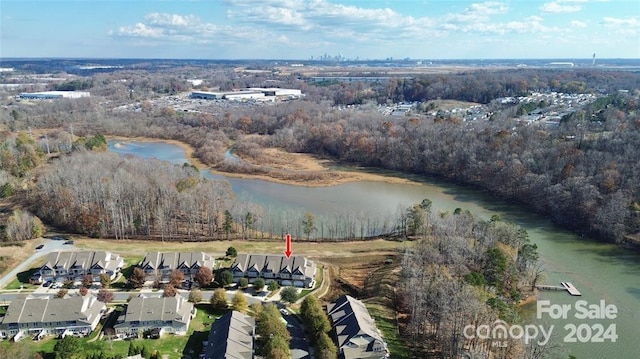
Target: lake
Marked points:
600	271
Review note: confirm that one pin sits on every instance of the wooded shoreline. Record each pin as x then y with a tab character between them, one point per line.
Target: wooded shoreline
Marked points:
301	163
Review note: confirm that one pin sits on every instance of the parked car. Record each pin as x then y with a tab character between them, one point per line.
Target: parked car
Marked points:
68	242
46	284
40	246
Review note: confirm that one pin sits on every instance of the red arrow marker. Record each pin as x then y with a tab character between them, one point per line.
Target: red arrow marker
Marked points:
288	251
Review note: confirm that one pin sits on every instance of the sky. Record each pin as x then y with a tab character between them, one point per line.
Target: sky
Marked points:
305	29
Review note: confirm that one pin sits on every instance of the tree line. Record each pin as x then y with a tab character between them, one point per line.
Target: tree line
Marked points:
105	195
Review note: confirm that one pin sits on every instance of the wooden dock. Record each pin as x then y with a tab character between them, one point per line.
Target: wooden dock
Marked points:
571	289
564	286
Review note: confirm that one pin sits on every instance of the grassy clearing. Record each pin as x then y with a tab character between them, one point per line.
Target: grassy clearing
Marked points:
12	255
372	277
22	280
169	345
386	322
130	263
357	269
224	262
318	278
133	248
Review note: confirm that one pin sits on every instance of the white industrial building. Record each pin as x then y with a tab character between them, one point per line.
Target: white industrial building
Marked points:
278	92
205	95
243	95
52	95
253	93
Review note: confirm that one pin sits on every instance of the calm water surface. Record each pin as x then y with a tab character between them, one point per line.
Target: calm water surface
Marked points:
600	271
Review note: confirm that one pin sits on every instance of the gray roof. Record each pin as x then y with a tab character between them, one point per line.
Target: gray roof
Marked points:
173	260
274	264
165	309
352	323
79	309
231	336
84	260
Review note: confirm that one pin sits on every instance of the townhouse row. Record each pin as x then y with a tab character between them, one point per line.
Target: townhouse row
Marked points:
295	271
38	317
232	335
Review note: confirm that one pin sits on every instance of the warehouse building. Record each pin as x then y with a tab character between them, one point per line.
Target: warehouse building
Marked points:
278	92
253	93
205	95
243	95
53	95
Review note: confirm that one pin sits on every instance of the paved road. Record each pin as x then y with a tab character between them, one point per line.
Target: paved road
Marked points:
50	245
299	345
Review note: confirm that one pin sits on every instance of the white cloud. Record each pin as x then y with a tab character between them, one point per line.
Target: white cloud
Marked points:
478	12
186	28
617	22
488	8
306	26
629	26
312	15
140	30
171	19
531	24
578	24
559	7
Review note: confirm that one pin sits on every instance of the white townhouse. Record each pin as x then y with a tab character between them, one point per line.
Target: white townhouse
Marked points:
296	271
38	317
356	334
163	314
73	265
232	336
159	265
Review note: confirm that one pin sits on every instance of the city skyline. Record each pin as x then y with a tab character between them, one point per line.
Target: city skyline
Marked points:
297	29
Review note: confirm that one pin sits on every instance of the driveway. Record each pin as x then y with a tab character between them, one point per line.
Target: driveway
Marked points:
50	245
298	345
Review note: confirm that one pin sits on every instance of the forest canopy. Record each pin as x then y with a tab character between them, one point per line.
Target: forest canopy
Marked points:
583	172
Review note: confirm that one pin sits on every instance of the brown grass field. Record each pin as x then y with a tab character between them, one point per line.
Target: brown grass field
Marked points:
11	256
317	250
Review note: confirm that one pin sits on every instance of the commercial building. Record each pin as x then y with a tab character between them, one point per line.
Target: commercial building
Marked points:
253	93
294	271
230	96
206	95
53	95
278	92
39	317
243	95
